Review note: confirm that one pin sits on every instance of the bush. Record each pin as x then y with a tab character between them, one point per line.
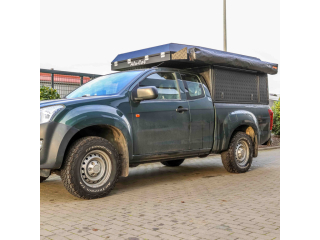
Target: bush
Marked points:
276	118
47	93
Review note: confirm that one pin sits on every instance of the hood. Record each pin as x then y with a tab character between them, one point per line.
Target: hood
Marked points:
71	101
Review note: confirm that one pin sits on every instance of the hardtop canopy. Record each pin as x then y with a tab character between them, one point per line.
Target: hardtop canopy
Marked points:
188	56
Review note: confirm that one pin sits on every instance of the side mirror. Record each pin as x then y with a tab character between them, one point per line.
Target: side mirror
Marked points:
144	93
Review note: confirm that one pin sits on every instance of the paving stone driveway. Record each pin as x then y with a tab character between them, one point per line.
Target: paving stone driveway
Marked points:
198	200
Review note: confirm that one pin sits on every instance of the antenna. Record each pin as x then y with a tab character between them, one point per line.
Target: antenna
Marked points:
159	64
225	25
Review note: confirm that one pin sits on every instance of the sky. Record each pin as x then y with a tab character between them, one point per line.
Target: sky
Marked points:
85	36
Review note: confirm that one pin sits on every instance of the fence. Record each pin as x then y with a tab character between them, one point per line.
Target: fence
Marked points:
64	82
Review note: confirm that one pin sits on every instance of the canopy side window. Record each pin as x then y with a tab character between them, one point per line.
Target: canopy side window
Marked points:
235	86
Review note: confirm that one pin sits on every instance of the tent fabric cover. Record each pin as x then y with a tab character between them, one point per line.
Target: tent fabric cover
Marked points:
215	57
188	56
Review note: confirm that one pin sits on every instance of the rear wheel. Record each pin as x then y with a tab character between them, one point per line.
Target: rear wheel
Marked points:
91	168
238	158
173	163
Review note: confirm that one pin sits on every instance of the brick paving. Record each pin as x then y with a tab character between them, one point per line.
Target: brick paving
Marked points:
198	200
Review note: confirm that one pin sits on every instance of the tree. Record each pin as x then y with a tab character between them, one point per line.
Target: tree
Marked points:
47	93
276	117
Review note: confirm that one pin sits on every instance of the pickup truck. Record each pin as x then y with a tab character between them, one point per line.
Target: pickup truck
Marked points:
155	114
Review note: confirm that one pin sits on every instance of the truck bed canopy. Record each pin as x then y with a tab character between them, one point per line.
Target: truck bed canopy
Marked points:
187	56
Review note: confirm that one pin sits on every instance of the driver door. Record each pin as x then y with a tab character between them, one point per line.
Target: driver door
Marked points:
161	125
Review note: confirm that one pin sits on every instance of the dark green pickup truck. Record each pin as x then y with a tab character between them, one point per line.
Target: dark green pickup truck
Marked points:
164	114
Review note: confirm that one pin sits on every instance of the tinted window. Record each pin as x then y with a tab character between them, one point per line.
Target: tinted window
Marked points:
105	85
193	86
165	83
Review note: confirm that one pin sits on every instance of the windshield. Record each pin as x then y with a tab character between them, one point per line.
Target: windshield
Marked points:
105	85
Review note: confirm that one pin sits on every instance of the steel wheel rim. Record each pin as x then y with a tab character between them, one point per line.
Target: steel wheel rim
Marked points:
95	169
242	153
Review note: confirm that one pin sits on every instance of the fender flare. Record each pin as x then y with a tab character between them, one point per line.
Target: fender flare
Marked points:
92	115
235	120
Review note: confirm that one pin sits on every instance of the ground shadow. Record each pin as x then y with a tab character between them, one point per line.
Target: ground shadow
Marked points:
145	175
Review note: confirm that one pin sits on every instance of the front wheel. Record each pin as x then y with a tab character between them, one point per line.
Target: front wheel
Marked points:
173	163
91	168
238	158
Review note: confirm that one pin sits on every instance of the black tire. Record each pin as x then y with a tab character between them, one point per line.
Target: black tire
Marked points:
173	163
229	158
72	174
42	179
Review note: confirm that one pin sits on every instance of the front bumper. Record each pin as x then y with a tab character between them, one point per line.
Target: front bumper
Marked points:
55	138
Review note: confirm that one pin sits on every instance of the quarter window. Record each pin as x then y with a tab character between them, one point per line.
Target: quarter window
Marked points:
166	84
192	85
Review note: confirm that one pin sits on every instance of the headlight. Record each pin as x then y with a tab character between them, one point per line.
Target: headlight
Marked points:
48	113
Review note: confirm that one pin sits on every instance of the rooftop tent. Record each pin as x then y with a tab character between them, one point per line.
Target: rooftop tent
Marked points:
187	56
230	77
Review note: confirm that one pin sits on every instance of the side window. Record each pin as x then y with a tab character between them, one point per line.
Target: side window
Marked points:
166	84
192	85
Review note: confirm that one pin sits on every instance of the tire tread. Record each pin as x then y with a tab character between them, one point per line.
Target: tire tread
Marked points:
227	157
70	162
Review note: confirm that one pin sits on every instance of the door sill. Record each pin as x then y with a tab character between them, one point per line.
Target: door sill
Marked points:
168	155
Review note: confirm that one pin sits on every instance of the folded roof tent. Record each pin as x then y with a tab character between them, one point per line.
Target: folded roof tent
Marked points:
187	56
229	77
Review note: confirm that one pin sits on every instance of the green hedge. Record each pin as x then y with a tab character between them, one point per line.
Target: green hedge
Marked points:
47	93
276	117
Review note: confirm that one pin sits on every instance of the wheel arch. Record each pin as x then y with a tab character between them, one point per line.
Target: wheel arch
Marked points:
244	121
249	130
98	120
111	133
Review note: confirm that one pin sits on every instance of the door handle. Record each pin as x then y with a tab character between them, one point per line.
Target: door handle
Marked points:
181	109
